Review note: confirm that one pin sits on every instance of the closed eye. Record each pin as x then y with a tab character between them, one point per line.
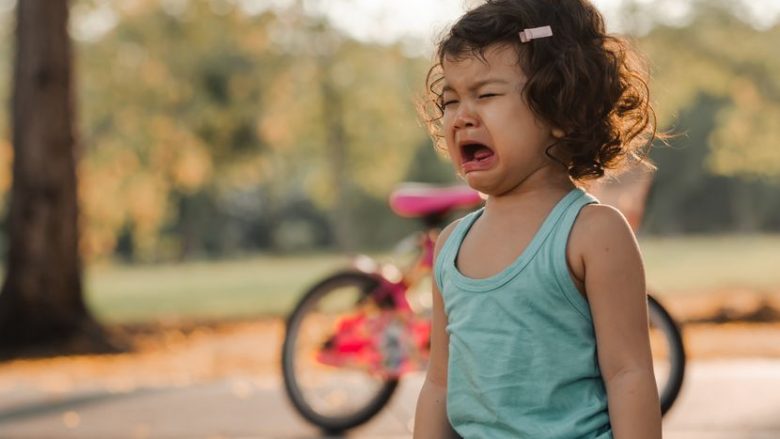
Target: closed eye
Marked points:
448	103
488	95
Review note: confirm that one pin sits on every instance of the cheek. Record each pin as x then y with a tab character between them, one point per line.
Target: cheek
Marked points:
447	129
451	148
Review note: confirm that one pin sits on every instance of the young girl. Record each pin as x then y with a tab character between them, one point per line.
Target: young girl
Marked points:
540	326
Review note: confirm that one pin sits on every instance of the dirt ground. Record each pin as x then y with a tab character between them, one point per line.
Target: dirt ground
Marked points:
726	325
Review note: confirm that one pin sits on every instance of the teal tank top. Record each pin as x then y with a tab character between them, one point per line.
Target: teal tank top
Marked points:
522	348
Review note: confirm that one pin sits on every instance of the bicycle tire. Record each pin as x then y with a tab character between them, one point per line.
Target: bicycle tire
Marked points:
666	324
366	283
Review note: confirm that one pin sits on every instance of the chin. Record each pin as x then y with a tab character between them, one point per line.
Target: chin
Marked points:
479	186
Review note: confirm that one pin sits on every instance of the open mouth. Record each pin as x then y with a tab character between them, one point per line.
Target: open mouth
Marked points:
476	157
475	152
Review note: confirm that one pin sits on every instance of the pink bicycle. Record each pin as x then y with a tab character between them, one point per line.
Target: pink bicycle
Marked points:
354	334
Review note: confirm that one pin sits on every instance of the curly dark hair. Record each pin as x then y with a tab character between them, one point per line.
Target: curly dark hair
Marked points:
589	84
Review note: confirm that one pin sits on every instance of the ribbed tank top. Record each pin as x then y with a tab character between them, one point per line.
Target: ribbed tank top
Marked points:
522	348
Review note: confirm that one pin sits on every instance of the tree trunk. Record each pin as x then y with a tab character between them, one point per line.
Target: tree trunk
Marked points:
41	300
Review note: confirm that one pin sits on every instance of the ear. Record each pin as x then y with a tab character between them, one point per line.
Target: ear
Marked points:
558	133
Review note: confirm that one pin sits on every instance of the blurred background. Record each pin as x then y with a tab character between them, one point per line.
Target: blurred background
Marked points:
232	152
214	133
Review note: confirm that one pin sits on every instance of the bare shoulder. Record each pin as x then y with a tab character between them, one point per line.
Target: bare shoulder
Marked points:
602	218
598	228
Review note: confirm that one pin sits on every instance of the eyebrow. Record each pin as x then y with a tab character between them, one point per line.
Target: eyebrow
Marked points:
478	84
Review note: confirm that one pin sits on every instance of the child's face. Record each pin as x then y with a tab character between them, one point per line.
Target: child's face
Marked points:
493	138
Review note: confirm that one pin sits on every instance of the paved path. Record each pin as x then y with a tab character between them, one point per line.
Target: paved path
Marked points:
735	399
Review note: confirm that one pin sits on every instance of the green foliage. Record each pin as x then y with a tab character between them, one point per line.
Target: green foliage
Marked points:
720	55
717	86
170	105
200	105
207	131
430	166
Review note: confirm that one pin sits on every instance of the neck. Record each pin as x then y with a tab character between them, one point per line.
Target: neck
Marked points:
538	187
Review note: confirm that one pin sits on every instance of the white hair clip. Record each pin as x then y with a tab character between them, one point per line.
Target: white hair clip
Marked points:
537	32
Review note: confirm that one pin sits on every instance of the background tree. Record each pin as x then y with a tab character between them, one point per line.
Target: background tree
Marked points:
210	129
41	298
720	90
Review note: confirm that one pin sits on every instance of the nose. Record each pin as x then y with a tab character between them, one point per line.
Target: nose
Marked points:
465	117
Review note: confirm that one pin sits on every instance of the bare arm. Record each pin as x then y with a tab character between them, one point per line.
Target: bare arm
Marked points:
430	421
615	285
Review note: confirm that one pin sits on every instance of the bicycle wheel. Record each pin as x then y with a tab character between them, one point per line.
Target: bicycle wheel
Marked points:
333	397
668	354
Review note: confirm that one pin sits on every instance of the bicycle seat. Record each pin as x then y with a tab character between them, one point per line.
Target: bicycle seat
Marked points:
414	200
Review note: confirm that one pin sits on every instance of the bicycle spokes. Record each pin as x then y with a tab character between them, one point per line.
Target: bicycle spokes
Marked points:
387	343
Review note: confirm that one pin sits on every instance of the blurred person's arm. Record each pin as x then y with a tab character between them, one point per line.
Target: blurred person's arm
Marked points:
430	421
615	286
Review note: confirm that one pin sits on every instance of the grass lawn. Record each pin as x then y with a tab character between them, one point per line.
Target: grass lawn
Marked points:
265	285
260	285
705	263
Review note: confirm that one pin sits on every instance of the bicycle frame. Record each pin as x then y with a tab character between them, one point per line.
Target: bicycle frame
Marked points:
394	283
